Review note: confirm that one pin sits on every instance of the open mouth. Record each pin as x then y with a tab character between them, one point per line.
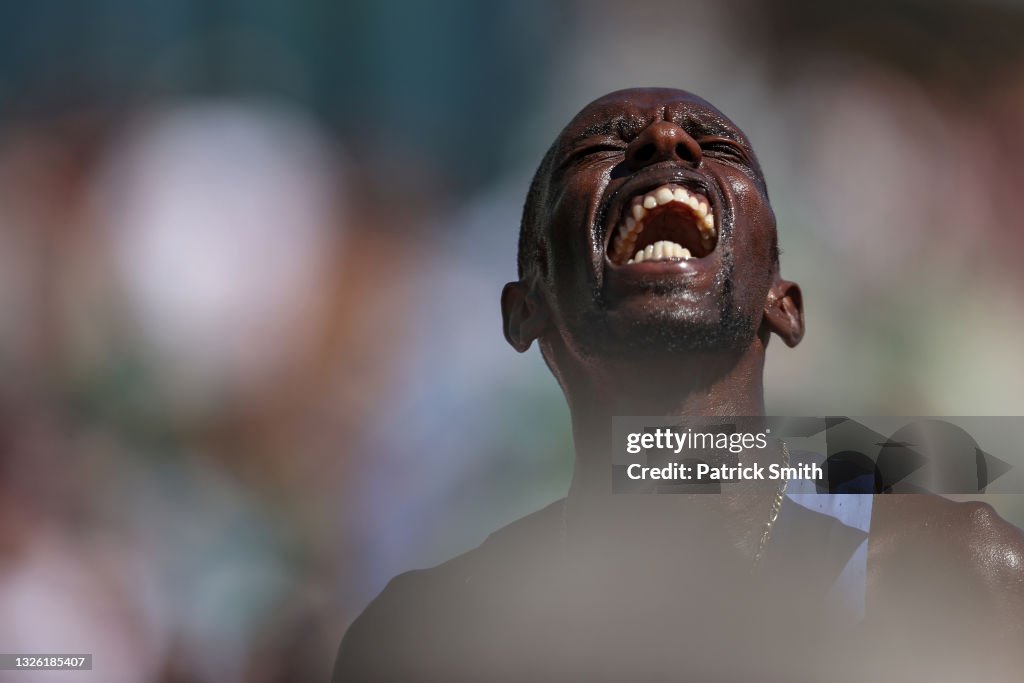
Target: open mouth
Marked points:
668	223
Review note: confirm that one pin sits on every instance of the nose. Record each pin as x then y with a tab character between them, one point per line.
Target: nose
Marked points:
662	141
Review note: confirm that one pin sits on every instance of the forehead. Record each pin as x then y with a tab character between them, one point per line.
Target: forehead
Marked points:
627	112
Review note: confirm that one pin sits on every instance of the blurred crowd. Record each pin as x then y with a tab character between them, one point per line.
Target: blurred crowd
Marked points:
251	253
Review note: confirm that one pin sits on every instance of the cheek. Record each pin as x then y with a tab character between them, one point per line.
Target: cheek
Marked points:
758	223
573	246
752	243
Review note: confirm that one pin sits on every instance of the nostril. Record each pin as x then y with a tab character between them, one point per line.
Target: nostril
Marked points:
645	153
682	152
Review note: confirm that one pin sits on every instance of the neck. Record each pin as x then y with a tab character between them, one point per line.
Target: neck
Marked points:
699	386
706	385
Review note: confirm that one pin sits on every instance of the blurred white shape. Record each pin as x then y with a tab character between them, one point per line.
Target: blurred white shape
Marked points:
53	601
223	220
882	168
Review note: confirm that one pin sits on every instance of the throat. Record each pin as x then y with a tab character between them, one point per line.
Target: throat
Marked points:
732	388
704	384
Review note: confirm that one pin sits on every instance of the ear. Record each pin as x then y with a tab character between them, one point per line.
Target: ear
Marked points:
524	319
784	311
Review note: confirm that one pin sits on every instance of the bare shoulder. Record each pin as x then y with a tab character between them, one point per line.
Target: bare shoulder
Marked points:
943	571
969	534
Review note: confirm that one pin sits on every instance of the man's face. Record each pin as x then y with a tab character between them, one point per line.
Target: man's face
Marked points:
659	232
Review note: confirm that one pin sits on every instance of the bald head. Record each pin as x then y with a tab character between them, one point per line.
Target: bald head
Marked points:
619	113
647	228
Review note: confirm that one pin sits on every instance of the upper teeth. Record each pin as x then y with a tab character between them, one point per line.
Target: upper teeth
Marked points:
629	230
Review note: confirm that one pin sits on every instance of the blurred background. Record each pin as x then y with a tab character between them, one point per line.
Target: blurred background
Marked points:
251	254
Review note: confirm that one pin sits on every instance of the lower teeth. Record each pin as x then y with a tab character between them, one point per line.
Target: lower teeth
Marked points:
661	251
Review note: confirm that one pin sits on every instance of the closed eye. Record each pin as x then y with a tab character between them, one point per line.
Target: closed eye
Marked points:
598	150
724	149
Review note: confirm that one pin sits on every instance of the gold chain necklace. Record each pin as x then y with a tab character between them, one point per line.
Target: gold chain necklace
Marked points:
766	535
776	506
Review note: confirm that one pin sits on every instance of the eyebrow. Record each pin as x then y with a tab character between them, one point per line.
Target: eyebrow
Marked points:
698	120
605	127
705	122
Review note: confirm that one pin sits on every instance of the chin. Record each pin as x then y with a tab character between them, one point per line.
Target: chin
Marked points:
639	330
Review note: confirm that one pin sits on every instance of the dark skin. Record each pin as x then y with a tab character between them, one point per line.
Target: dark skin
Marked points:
589	341
927	555
603	587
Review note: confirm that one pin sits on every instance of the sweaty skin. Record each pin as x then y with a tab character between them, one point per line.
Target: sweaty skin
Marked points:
543	599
